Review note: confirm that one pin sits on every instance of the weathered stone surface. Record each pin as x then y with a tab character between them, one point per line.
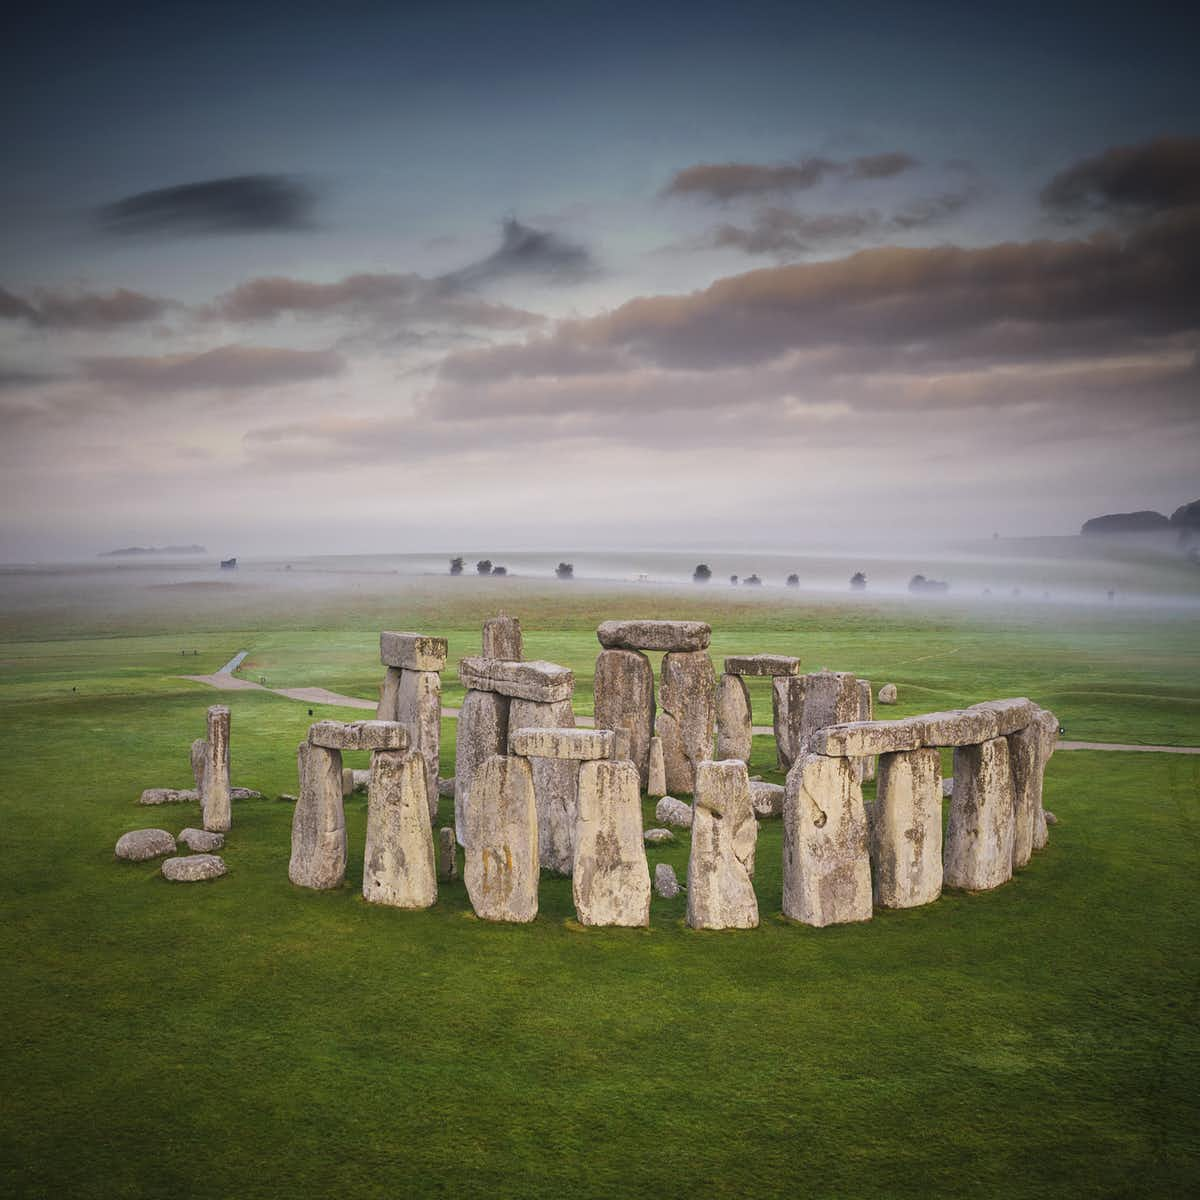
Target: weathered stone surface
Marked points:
724	835
561	742
979	832
412	651
199	758
1011	715
957	727
906	829
354	781
555	783
319	822
665	882
735	735
1051	819
1047	722
502	639
398	866
544	682
215	799
654	635
610	881
830	698
787	716
502	845
653	837
419	710
673	812
1026	761
168	796
866	712
193	868
389	694
826	861
201	841
446	787
622	745
858	738
624	692
948	787
241	793
887	694
687	699
766	799
358	735
762	664
141	844
656	782
447	855
482	732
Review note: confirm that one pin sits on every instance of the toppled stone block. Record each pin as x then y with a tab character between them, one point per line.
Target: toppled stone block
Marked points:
482	732
887	694
555	783
979	831
665	883
906	829
140	844
857	738
687	718
735	736
655	837
774	665
673	812
544	682
766	799
358	735
193	868
201	841
169	796
654	635
502	638
412	651
241	793
502	851
398	866
624	691
724	835
562	742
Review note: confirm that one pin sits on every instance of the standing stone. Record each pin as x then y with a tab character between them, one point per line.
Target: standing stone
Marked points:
687	694
665	883
734	726
656	784
610	880
766	799
319	822
419	707
1047	722
482	732
787	716
398	867
830	698
979	832
199	759
389	694
447	851
555	784
826	861
906	829
502	853
624	693
502	638
724	833
622	745
866	712
215	800
1025	760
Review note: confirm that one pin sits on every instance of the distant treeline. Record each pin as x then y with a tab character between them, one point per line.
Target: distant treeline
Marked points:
1186	518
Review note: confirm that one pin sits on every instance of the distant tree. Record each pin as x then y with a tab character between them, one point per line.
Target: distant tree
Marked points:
752	581
733	580
565	570
702	573
456	566
793	580
484	566
499	570
919	584
858	582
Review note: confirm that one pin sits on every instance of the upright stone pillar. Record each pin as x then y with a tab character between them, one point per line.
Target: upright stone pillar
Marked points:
419	707
906	829
555	783
447	854
687	697
389	694
826	862
1025	760
624	695
656	784
830	698
319	821
482	732
610	879
215	794
787	716
735	728
724	834
502	853
866	712
979	833
398	867
502	638
199	760
1047	722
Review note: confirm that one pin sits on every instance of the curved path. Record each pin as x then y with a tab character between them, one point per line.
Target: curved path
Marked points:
225	680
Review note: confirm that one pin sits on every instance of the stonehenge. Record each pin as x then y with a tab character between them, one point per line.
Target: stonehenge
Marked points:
141	844
624	695
687	716
979	833
906	829
501	871
215	795
724	833
193	868
482	732
734	725
555	777
398	865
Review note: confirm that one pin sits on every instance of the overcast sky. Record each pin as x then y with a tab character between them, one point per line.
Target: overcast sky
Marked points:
342	277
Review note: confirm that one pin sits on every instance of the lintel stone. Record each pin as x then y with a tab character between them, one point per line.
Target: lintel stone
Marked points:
579	744
654	635
762	664
358	735
412	651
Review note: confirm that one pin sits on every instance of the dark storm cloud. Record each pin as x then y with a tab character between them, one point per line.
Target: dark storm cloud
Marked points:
531	252
223	367
1152	177
728	181
239	204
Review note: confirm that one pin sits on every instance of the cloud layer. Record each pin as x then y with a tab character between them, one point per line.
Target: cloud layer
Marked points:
722	182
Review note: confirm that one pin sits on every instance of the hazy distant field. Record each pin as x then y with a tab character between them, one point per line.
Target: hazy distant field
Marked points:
167	1040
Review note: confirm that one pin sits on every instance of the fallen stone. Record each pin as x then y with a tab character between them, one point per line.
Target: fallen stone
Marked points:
502	851
673	812
412	651
887	694
653	837
656	783
447	855
419	710
826	861
544	682
1051	819
1011	715
610	881
358	735
445	787
724	835
193	868
141	844
201	840
675	636
168	796
241	793
857	738
830	698
288	798
766	799
398	866
624	695
787	717
979	831
215	798
562	742
555	783
906	829
502	639
482	732
735	735
665	882
319	822
686	722
762	664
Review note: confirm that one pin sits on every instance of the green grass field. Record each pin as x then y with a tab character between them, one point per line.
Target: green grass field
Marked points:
246	1038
